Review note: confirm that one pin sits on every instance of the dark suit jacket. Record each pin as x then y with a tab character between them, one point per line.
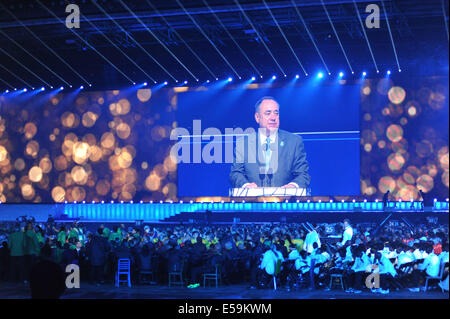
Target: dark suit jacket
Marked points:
288	162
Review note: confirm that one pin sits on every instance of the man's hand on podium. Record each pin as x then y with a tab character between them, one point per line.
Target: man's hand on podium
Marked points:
290	185
250	185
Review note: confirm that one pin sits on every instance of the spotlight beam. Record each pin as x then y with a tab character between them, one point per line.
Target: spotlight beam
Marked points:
132	39
121	51
284	36
85	42
259	36
7	84
445	18
181	38
17	77
207	38
43	43
231	37
309	34
337	36
36	59
160	42
390	34
365	35
24	66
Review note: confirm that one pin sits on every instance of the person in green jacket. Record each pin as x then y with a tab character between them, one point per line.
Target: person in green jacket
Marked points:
16	251
62	236
31	249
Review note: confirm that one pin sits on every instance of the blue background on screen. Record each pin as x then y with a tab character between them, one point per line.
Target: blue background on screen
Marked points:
313	111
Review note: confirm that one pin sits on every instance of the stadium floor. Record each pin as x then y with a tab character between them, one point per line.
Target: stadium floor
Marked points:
108	291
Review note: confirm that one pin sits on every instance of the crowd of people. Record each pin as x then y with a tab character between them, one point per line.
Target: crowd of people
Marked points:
291	256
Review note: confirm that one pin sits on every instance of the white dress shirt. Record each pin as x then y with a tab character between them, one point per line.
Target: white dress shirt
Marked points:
348	234
431	265
269	261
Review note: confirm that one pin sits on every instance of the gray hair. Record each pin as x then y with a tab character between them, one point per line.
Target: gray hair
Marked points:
262	100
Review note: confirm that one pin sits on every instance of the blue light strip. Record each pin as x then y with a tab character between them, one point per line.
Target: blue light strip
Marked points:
160	211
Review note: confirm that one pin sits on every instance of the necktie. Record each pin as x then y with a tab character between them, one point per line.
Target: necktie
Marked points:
267	147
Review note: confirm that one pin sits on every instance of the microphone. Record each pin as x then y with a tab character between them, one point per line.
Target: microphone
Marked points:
269	175
262	175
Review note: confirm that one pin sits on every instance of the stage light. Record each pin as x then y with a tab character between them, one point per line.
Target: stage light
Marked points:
70	86
165	83
388	72
207	81
253	78
230	79
378	71
341	74
185	82
42	88
285	75
81	87
320	75
134	83
90	84
145	83
399	70
297	76
273	77
7	91
364	73
61	88
25	90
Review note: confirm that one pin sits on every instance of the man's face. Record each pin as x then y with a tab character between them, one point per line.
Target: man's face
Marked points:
268	116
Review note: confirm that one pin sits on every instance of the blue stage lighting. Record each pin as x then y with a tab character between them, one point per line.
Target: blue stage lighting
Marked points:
364	73
297	76
273	77
185	82
61	88
388	72
81	87
230	79
165	83
341	74
25	90
90	84
207	81
145	83
253	78
42	88
320	75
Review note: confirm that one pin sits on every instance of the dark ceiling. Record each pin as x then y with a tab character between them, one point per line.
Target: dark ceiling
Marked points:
120	41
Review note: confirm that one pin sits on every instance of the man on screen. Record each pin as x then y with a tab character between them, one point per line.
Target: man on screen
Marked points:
281	157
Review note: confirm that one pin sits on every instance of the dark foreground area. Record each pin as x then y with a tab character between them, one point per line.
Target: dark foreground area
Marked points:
109	291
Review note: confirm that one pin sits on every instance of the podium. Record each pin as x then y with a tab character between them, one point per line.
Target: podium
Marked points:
268	192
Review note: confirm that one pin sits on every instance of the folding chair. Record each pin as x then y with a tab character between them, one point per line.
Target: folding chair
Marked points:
340	277
176	275
123	268
212	276
439	277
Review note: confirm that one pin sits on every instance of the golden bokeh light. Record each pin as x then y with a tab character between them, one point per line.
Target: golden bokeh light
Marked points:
108	140
35	174
153	182
396	94
80	152
144	95
3	153
443	157
58	194
32	149
394	132
386	183
395	161
123	130
30	130
89	118
19	164
79	175
425	183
